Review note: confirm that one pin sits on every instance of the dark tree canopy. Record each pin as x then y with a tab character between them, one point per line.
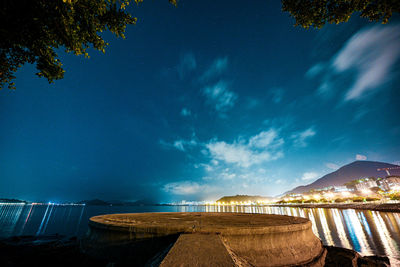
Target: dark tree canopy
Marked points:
315	13
31	30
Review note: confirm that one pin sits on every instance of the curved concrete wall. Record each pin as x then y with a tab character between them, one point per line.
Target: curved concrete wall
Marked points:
253	239
279	246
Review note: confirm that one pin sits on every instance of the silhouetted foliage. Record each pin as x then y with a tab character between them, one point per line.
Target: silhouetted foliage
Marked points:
340	200
310	201
372	199
31	31
295	201
314	13
395	196
358	199
323	200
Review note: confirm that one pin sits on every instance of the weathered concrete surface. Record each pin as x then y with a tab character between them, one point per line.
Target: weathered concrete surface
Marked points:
299	247
195	250
253	239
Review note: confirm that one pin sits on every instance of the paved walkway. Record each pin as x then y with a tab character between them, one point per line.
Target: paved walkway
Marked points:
198	250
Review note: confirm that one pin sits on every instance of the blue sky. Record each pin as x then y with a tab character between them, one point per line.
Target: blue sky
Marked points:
202	100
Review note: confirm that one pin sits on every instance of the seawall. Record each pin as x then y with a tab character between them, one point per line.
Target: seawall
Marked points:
199	239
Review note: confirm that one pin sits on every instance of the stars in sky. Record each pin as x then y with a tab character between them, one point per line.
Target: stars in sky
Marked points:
196	104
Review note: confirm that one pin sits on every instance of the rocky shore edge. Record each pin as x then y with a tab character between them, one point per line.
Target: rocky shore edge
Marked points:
57	250
385	207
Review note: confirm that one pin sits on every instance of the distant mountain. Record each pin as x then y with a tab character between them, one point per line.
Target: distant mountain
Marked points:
243	198
11	200
94	202
347	173
99	202
141	202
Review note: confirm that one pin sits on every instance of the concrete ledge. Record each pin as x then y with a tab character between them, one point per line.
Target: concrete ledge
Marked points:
198	250
254	239
163	223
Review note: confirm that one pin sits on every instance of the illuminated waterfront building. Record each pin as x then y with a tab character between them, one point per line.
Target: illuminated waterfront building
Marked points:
342	188
390	182
367	184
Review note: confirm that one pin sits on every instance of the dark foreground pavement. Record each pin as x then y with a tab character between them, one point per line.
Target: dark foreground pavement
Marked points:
57	250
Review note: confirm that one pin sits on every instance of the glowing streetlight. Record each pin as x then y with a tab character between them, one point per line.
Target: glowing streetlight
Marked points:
366	191
396	188
345	194
329	195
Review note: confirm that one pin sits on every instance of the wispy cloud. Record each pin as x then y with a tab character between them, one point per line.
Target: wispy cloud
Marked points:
252	102
260	148
277	95
300	138
186	65
180	144
217	68
237	153
360	113
220	96
186	112
332	166
226	175
307	176
315	70
184	188
207	167
266	139
361	157
369	56
372	53
325	89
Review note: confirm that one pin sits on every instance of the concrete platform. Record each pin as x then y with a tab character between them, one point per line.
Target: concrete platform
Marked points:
248	239
195	250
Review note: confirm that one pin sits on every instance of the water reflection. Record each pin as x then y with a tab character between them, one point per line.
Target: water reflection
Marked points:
311	217
388	242
368	232
325	228
338	219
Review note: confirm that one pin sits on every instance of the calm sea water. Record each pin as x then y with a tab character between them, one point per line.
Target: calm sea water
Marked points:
368	232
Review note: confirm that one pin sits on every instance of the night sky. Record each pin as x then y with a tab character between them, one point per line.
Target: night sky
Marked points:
205	99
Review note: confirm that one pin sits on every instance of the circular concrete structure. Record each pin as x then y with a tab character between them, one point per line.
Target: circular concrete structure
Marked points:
250	239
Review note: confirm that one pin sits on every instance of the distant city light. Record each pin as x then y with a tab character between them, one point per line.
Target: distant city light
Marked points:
366	192
396	188
345	194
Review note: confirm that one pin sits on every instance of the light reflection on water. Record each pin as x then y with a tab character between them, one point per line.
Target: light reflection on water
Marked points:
368	232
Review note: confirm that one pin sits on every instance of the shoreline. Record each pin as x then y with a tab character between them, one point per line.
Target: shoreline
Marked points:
384	207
